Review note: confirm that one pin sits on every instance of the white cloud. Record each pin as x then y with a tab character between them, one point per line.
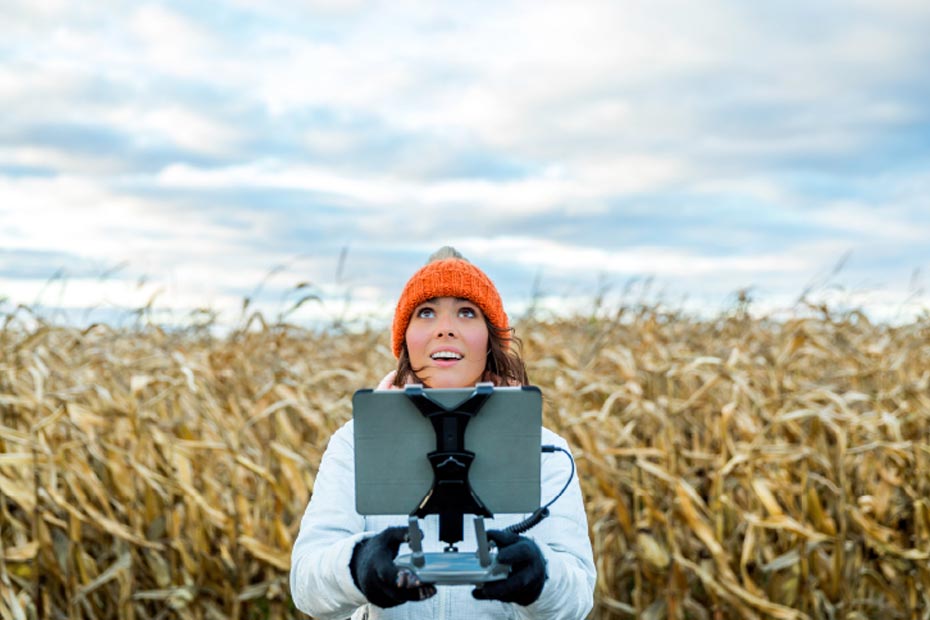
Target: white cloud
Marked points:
295	73
194	131
585	107
666	262
288	9
755	188
59	159
76	215
871	223
172	43
189	258
553	190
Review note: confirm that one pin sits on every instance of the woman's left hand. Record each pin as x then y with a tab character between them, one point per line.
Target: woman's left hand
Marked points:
527	575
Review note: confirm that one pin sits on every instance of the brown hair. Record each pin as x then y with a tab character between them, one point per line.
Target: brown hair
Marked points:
504	366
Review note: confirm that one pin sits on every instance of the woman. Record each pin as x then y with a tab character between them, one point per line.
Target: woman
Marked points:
449	330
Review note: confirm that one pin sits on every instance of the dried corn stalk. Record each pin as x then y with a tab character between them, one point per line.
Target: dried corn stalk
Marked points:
731	468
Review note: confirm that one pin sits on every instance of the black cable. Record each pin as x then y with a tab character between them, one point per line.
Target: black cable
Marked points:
542	512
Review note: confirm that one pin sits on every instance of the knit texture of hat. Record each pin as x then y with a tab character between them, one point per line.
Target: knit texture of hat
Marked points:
450	277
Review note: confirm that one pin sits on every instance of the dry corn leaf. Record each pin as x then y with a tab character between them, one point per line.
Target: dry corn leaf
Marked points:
696	523
880	537
122	563
276	557
22	553
85	419
10	605
746	556
21	492
761	487
786	523
650	551
218	518
734	593
28	459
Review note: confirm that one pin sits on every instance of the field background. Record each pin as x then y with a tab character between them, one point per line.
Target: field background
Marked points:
732	468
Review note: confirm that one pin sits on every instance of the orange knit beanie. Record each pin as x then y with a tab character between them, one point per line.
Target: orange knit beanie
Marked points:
447	277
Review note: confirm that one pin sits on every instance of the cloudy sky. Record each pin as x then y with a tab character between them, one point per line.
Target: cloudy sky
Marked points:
191	155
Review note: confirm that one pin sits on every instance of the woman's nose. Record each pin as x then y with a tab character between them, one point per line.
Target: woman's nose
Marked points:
444	326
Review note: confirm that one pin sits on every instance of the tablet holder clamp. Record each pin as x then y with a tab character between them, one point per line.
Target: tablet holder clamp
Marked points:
451	497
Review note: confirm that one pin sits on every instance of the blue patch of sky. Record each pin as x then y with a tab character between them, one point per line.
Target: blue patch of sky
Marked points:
391	264
302	215
473	162
17	171
889	259
430	157
684	221
863	174
312	226
763	129
862	273
147	152
818	186
744	133
73	137
906	147
104	88
385	264
858	167
207	97
104	141
291	135
154	158
376	146
617	229
24	264
386	270
240	24
520	285
221	17
515	283
295	222
741	227
798	21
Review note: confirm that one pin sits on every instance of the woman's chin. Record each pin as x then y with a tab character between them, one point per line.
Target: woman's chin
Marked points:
450	380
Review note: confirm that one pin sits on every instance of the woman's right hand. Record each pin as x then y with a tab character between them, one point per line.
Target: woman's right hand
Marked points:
387	383
374	572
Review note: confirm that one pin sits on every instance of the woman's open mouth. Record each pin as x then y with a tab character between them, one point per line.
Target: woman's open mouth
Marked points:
446	358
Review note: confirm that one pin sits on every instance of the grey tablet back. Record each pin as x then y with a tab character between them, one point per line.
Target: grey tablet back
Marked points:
392	439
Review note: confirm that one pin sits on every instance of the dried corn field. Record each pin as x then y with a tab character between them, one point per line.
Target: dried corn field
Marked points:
733	468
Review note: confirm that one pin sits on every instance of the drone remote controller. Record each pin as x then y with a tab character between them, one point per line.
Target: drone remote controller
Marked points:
452	567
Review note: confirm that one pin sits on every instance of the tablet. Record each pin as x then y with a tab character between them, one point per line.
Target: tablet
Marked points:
393	439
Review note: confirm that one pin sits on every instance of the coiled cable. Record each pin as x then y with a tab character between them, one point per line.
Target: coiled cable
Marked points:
542	512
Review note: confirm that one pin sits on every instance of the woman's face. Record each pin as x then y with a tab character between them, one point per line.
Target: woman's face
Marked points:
447	342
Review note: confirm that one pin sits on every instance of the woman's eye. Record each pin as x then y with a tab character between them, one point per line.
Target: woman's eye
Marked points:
425	313
468	313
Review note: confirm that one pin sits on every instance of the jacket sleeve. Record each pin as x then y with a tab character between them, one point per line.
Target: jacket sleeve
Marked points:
565	545
321	583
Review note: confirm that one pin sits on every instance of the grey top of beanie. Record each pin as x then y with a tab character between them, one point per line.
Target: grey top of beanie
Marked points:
446	251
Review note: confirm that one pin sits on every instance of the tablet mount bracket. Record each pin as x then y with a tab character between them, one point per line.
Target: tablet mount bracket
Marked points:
451	496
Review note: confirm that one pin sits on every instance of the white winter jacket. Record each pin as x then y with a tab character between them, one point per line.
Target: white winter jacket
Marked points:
322	585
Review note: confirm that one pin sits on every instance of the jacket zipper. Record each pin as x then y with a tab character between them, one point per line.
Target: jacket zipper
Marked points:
442	594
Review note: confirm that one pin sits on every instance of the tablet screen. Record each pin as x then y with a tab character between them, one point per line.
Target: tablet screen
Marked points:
392	440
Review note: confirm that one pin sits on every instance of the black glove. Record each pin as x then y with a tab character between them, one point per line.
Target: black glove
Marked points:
374	572
527	575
